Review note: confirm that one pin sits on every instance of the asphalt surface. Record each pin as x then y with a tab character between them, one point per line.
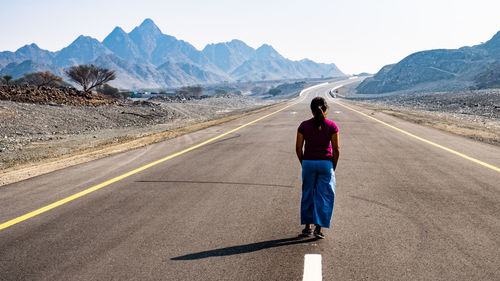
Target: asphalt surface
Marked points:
229	210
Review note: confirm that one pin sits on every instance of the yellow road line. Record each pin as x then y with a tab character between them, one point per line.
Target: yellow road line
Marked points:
128	174
494	168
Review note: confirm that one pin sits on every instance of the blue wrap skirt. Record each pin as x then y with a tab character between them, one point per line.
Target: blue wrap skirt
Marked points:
318	192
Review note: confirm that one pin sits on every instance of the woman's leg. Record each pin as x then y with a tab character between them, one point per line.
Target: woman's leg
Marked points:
324	197
307	202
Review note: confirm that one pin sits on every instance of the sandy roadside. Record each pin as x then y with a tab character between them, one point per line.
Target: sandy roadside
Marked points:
484	131
28	170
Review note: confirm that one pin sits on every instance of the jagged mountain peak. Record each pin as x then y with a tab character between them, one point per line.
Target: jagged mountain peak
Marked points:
80	51
116	36
146	37
119	42
228	55
267	52
147	26
32	50
233	43
29	46
242	46
237	41
117	31
266	47
85	42
148	22
82	39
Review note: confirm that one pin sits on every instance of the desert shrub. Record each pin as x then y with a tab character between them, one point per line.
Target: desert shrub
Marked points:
42	78
111	91
6	79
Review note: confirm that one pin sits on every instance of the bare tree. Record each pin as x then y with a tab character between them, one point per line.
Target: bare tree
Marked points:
90	76
7	79
43	78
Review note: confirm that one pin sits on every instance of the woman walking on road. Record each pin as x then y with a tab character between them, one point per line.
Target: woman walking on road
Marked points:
318	159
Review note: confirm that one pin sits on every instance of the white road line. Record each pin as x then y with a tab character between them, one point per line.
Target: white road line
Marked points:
335	88
312	268
313	87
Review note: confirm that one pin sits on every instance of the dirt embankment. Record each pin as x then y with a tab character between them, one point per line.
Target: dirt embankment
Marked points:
49	95
473	114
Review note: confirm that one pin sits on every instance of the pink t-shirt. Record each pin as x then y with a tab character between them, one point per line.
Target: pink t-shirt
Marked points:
318	145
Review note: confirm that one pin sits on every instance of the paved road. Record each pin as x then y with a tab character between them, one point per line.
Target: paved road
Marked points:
229	210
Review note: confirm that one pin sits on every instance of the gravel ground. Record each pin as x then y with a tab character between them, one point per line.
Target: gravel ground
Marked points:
476	104
475	114
33	132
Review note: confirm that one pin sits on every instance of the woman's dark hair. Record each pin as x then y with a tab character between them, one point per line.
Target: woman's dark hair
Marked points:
318	108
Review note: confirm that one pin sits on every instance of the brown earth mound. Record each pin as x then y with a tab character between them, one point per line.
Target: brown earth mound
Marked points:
48	95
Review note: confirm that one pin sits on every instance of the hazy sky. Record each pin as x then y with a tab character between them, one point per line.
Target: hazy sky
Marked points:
357	36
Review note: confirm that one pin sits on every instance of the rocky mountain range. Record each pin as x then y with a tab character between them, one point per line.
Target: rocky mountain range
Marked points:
147	58
439	70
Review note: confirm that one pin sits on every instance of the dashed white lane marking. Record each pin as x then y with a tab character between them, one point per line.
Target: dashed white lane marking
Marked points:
312	268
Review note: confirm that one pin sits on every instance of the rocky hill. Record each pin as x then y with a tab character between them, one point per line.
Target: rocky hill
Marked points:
489	77
147	58
435	70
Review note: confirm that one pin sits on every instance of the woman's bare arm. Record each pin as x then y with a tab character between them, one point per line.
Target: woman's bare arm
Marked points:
298	146
335	149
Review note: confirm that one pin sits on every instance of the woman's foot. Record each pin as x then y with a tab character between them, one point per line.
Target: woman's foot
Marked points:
317	232
306	232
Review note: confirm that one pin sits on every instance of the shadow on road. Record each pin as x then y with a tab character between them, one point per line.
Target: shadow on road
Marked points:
242	249
221	182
